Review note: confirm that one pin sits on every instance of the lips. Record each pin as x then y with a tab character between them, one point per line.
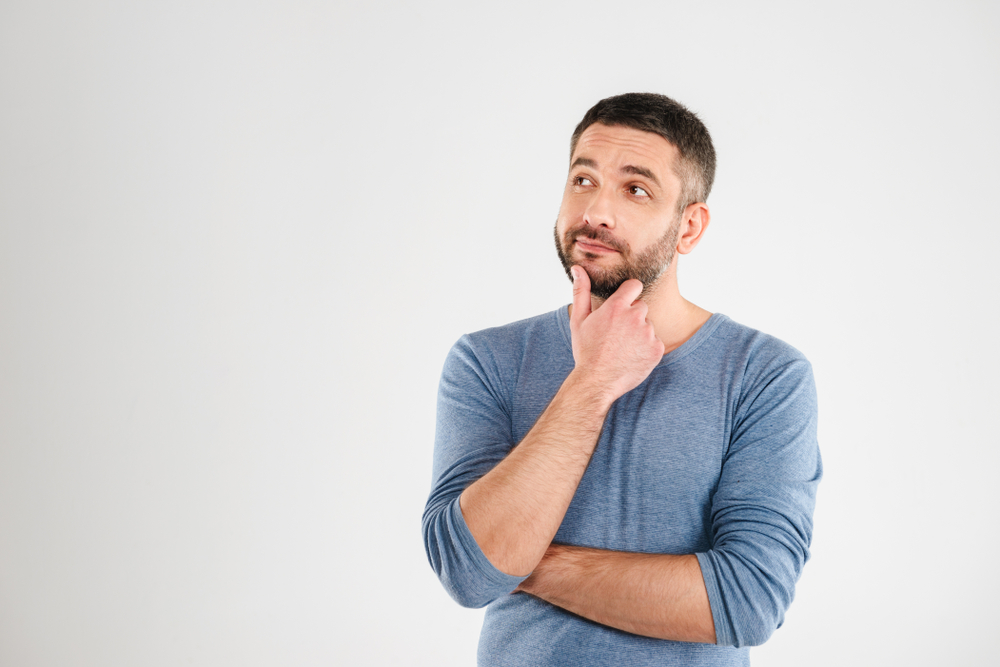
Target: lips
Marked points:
588	244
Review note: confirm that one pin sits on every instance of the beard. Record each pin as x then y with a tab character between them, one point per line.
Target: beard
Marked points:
646	266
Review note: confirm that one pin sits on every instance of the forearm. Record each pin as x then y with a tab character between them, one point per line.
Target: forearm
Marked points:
654	595
514	511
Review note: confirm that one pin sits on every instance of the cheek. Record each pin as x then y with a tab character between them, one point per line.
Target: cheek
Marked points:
562	222
560	232
569	216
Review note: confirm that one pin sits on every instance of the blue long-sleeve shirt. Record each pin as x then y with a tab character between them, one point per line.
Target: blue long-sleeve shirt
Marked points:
714	454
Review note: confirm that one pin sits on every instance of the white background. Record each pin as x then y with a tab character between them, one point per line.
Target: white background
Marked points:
238	238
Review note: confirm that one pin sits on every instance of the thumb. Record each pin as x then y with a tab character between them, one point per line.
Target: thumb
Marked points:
581	295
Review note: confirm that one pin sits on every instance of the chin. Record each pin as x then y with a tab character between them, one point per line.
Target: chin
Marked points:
605	262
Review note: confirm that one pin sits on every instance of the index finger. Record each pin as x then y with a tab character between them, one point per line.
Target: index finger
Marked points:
628	291
581	295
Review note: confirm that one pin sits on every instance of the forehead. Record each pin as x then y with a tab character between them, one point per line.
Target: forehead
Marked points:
614	145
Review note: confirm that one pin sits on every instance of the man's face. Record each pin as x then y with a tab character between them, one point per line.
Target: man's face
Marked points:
619	217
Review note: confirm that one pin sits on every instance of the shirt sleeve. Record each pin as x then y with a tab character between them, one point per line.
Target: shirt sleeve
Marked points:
762	509
473	434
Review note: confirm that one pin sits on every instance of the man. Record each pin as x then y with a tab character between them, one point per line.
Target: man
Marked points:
630	480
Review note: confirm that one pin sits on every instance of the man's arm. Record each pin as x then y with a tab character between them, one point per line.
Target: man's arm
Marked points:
654	595
736	593
515	510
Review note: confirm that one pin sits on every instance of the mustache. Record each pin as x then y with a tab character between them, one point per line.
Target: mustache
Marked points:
598	234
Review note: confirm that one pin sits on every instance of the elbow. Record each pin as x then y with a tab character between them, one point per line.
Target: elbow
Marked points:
457	564
749	602
755	630
754	621
466	596
461	582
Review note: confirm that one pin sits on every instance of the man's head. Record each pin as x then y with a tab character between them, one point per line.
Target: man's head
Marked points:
641	166
671	120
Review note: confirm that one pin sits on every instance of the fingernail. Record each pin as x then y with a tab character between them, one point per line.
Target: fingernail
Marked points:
573	271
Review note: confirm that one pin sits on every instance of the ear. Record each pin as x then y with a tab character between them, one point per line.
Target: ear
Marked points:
694	222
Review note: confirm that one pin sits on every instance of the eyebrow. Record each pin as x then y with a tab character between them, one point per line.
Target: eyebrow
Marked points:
627	169
640	171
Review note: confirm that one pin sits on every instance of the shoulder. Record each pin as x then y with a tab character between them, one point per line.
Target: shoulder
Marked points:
498	353
765	364
759	350
546	323
514	339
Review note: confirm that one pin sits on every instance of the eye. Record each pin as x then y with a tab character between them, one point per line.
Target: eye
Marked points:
582	180
637	191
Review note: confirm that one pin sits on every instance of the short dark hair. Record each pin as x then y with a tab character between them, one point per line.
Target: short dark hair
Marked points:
671	120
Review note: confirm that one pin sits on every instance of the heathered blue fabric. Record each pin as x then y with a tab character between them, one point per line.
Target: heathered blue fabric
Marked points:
715	454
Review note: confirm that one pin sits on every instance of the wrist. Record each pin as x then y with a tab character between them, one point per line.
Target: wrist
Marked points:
592	389
549	575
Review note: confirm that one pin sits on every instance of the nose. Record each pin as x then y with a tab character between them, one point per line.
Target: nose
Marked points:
600	211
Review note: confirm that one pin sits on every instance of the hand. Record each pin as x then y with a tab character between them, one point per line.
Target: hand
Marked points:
614	347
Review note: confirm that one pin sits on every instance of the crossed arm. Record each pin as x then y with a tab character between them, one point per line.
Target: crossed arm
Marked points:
655	595
515	510
514	514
